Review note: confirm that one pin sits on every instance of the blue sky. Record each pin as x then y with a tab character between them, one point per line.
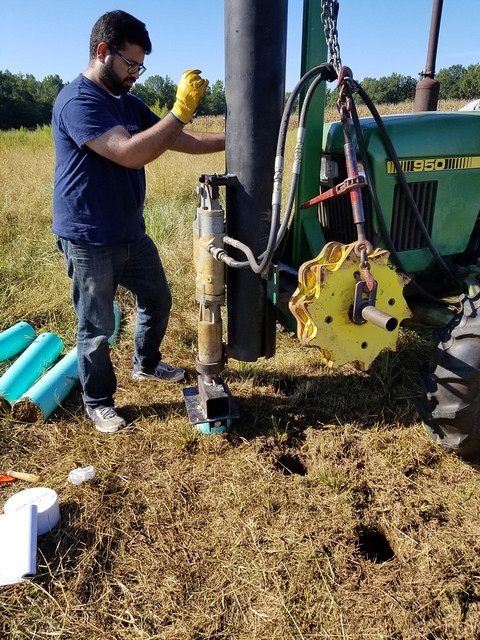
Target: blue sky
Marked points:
377	37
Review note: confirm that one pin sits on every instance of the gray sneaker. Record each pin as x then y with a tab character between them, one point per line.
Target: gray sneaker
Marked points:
163	373
105	419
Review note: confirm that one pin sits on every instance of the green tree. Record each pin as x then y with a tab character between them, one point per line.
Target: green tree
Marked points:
50	87
164	88
156	92
213	102
18	107
26	102
159	94
469	83
449	82
390	89
144	93
331	98
372	87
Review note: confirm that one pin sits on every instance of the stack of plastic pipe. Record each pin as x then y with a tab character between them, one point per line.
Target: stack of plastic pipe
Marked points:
29	367
39	401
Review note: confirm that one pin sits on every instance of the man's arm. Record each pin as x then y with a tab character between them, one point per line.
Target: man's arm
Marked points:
199	142
134	152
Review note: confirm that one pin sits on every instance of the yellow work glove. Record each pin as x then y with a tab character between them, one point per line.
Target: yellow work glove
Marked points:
189	93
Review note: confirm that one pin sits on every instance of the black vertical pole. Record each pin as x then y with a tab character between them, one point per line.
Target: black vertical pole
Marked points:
255	54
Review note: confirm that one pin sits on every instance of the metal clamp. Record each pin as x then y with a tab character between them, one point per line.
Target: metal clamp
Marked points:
364	309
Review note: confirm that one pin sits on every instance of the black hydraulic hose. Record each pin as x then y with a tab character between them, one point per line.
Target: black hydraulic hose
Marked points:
401	177
380	215
298	158
325	72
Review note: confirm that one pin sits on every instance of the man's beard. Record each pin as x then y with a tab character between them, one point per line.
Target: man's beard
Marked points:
111	79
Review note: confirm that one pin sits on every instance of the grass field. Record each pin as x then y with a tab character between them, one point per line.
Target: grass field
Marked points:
326	511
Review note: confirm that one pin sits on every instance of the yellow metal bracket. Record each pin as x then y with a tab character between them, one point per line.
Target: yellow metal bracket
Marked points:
323	304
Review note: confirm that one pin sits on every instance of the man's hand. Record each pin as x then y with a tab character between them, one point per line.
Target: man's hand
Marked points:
189	93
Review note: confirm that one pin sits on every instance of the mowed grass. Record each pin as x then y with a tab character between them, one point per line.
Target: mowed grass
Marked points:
326	511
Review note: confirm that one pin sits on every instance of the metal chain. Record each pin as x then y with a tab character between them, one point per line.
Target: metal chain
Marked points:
329	19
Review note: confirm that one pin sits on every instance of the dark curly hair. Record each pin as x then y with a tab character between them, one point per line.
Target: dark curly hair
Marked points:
116	28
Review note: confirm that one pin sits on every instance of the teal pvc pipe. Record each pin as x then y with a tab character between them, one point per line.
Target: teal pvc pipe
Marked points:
15	340
51	390
117	310
30	366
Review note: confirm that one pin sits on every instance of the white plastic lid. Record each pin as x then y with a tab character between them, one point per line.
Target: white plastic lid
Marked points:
46	500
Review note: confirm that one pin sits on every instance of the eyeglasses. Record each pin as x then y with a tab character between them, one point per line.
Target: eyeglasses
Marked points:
133	67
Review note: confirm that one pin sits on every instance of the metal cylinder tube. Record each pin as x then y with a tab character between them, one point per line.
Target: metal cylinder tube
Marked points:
427	90
255	46
379	318
210	285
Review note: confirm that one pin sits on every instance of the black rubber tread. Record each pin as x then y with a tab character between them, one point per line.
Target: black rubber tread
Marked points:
450	403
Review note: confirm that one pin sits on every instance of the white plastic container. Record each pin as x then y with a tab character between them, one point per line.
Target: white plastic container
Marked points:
46	501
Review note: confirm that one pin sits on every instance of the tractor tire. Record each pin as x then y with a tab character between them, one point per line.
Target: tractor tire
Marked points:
450	403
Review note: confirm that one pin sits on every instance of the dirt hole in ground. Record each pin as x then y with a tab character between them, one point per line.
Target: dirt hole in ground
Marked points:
373	545
289	464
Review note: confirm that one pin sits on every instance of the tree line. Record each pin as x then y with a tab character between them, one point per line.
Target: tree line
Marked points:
27	102
159	94
456	83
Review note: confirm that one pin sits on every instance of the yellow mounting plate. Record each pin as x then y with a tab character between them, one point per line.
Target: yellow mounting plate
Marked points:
323	301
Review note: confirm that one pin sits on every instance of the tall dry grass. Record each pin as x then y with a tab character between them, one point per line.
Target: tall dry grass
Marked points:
30	267
326	512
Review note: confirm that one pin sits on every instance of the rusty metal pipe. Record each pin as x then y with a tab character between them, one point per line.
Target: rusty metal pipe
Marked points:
428	89
433	40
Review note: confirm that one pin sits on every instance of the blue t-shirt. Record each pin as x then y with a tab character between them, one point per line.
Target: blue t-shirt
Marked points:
96	200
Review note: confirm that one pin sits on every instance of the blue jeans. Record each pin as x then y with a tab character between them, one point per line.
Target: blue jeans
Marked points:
96	273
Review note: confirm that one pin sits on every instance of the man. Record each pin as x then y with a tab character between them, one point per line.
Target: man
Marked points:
103	138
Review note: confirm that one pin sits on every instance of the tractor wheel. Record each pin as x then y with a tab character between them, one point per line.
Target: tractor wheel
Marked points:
450	404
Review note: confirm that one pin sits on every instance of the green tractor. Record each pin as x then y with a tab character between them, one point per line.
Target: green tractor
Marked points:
381	227
395	229
426	233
